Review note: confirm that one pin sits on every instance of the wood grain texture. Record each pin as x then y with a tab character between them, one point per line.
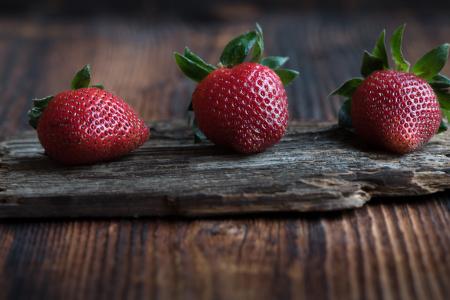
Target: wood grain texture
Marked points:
315	167
385	250
382	251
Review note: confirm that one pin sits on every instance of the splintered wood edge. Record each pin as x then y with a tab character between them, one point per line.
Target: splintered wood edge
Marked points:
338	193
3	168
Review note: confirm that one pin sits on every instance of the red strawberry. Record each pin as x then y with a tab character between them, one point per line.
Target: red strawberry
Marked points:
244	107
239	105
397	110
87	124
394	109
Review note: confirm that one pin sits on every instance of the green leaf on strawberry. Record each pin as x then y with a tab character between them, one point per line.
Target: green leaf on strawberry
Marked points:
198	60
39	105
440	82
379	51
432	62
192	121
348	88
443	126
401	64
258	49
444	101
370	64
286	75
98	86
445	115
274	62
444	98
82	78
199	136
344	116
190	68
238	49
377	59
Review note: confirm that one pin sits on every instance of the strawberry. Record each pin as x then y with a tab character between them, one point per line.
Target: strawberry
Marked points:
397	110
239	104
87	124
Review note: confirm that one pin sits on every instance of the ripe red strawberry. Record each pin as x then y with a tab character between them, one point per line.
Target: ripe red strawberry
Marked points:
394	109
86	124
237	104
244	107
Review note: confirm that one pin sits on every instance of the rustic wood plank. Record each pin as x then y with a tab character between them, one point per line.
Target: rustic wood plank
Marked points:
314	168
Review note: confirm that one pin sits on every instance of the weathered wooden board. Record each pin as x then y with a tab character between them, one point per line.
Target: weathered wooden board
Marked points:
315	168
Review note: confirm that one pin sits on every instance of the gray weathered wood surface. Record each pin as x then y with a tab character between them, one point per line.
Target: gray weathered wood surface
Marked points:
315	168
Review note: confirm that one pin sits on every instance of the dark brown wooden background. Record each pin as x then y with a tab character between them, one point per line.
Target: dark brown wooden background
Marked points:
206	10
391	249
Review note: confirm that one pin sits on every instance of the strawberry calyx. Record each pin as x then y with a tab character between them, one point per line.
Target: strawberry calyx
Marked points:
82	79
245	47
428	67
